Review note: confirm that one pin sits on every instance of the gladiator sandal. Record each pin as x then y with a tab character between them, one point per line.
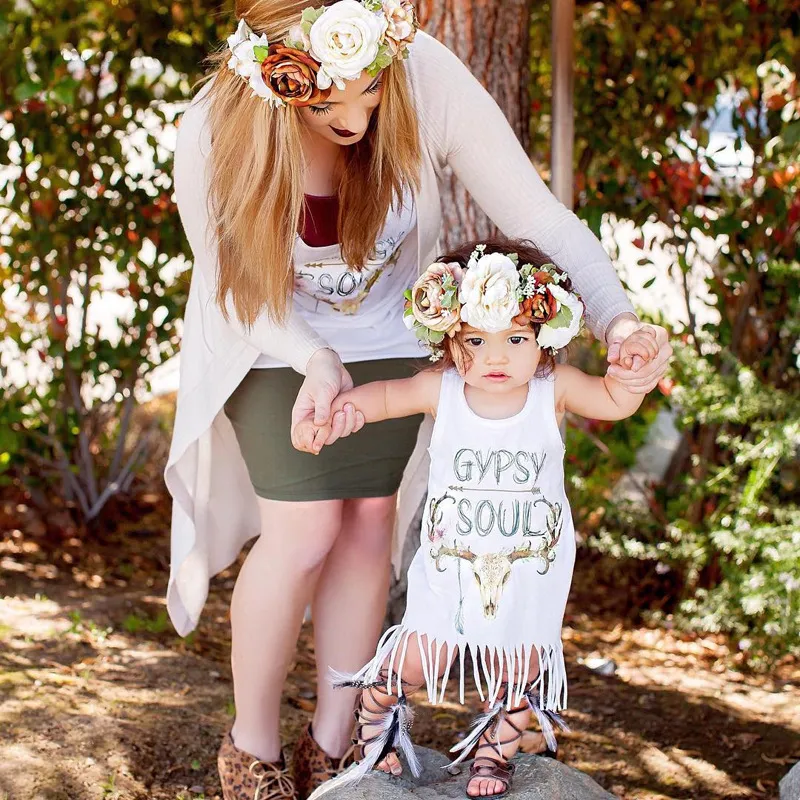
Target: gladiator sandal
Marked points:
245	777
393	723
486	732
312	766
495	765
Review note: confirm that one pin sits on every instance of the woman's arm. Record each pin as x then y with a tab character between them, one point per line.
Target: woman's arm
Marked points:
295	341
473	137
593	397
376	402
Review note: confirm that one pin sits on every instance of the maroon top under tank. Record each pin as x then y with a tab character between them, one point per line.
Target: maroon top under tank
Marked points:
319	228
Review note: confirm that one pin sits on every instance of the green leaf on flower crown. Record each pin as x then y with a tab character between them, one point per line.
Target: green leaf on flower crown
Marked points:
382	60
562	319
515	258
408	296
372	5
309	17
435	337
261	52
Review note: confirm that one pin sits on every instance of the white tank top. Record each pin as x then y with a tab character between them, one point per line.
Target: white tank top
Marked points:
497	548
359	313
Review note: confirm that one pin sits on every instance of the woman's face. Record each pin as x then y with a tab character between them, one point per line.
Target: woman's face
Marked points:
344	117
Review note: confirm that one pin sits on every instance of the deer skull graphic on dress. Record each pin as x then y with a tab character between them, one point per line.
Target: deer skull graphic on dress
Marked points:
492	570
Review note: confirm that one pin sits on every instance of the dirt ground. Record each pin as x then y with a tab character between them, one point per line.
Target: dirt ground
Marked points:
100	700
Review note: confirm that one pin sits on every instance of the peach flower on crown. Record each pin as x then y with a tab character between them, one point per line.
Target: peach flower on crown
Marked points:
491	294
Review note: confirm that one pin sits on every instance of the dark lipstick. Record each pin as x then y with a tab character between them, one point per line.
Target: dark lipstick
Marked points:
345	134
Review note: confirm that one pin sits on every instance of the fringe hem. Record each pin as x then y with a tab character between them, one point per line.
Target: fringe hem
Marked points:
488	665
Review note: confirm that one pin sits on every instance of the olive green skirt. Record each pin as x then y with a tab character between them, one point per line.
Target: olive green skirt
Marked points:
369	463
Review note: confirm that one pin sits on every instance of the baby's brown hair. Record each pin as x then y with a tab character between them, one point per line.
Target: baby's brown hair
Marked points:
528	253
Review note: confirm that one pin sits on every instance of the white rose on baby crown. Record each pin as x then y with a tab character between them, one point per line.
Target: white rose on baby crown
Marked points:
560	337
488	293
345	40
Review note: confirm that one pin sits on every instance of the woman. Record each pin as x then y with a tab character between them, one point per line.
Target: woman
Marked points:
317	202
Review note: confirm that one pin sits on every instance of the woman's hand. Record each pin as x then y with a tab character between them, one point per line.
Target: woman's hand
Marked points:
642	376
326	378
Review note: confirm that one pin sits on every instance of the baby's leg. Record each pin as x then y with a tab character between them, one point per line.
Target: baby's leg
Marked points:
376	701
491	773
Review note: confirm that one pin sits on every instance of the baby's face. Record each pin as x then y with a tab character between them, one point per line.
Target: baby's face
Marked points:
499	362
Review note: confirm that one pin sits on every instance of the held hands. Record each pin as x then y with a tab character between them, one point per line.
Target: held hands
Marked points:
309	437
638	354
313	410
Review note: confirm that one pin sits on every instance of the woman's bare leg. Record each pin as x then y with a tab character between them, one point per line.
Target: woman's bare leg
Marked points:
348	611
269	600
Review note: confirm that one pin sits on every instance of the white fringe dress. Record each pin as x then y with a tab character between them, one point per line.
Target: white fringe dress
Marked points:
490	580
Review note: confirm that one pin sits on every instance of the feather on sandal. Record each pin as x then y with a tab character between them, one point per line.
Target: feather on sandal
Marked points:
392	723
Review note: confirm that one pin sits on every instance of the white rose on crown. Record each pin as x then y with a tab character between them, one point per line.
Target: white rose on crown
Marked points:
488	293
243	59
345	40
560	331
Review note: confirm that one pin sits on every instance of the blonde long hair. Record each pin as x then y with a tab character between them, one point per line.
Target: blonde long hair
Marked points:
256	192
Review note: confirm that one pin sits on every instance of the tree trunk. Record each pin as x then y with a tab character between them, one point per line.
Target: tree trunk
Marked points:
491	37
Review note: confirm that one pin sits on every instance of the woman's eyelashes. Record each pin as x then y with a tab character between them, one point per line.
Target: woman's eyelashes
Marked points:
320	110
375	88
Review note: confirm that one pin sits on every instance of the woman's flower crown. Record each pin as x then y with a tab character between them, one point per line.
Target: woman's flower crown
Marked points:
491	294
329	45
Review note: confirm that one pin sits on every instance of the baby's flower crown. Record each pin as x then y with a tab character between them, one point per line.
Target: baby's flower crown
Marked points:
329	45
491	294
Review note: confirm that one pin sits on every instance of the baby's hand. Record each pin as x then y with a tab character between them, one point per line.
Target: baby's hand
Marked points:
639	348
310	438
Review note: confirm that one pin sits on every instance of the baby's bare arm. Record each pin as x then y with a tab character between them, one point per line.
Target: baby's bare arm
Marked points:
378	401
594	397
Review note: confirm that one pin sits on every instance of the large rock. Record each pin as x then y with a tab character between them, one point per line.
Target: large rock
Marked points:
790	785
536	779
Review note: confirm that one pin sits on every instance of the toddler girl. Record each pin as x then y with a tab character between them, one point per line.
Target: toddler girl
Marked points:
489	583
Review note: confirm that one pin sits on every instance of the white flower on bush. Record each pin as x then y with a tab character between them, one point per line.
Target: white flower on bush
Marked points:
243	59
489	293
345	40
560	331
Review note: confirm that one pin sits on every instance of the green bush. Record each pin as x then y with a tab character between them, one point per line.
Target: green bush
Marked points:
726	521
90	244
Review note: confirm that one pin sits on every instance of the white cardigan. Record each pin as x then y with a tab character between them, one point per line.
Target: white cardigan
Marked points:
214	506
